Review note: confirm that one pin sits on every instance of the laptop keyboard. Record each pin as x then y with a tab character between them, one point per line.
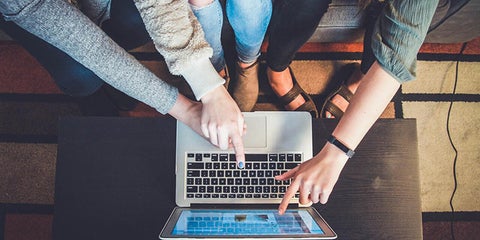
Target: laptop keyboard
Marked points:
216	175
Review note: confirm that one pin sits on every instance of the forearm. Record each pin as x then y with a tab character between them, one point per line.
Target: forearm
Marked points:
66	28
371	98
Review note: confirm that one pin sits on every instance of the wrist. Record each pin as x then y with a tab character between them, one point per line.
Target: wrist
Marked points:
215	94
182	107
332	140
334	155
202	77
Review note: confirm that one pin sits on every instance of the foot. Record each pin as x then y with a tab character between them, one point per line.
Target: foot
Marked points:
289	92
281	83
245	87
352	83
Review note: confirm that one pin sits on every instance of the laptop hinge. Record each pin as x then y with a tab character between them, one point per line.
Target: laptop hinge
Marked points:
240	206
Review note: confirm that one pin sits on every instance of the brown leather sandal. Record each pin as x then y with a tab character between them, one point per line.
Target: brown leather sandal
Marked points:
308	106
342	90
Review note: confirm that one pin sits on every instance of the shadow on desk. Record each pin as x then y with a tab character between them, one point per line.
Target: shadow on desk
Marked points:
115	179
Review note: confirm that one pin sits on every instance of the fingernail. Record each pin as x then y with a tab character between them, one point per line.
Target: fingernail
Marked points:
240	164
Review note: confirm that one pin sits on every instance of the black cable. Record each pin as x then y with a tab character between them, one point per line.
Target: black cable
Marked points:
453	145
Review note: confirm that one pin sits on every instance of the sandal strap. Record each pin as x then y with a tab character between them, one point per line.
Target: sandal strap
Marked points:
291	95
345	93
294	92
333	109
308	106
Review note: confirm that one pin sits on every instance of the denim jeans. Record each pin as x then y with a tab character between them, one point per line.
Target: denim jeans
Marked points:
249	20
125	26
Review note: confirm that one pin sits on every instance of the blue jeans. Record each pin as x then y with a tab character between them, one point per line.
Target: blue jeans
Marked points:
249	20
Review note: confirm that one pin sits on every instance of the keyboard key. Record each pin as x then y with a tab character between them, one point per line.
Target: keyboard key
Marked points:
192	189
193	173
256	157
222	181
206	181
290	165
208	165
195	165
223	157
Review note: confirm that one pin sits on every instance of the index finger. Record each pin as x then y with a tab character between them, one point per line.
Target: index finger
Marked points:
237	143
288	195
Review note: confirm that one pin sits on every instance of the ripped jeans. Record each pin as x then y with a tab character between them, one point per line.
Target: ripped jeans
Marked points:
249	20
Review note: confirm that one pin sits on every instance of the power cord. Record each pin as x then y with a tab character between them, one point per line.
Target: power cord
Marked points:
452	232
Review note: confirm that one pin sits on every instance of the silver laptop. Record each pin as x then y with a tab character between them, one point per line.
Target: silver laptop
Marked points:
215	199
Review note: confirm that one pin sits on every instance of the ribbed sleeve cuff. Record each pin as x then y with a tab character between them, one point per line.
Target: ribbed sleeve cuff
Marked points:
202	77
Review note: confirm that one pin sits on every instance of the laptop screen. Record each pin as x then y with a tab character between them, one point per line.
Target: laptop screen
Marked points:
245	222
234	223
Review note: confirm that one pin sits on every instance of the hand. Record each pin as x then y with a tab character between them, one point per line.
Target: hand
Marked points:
223	123
315	178
189	112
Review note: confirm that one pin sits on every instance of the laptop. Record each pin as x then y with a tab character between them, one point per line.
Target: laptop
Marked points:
217	200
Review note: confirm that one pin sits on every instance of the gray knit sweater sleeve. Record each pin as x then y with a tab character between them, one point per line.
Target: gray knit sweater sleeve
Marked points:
66	28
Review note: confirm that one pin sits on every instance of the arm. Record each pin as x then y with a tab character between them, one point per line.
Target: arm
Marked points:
398	35
66	28
316	178
178	36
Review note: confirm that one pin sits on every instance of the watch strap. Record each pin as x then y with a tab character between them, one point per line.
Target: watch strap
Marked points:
333	140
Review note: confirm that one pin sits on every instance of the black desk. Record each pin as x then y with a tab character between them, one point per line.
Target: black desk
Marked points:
115	180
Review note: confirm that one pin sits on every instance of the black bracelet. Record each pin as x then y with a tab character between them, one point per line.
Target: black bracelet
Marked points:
333	140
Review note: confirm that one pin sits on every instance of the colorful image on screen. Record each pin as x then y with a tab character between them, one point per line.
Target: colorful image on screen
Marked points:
245	222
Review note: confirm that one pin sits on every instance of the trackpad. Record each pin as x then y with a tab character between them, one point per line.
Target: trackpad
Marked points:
256	136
